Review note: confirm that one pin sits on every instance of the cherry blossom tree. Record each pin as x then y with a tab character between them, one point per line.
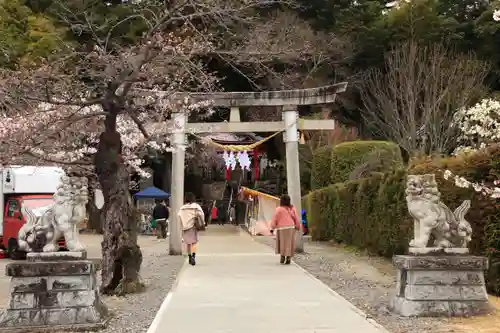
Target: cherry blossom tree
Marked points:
100	125
86	107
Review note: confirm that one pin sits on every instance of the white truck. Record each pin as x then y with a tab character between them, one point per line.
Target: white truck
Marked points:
29	186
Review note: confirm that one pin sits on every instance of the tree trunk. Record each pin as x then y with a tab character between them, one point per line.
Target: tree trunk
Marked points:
121	256
94	213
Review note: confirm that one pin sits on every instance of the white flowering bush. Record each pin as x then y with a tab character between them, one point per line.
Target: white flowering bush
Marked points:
496	15
493	192
478	125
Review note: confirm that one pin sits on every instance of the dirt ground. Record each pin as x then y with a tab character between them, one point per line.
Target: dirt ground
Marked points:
484	324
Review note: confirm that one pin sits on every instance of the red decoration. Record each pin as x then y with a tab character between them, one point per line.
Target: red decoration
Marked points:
228	173
256	164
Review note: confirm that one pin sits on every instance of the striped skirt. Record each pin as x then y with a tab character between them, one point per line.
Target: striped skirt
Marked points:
285	242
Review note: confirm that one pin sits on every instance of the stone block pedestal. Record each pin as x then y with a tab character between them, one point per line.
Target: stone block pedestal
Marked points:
442	285
51	292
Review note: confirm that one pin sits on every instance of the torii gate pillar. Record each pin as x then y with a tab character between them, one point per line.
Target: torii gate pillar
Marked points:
177	187
290	116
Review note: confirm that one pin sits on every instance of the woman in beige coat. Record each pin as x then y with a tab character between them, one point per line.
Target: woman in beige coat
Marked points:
188	214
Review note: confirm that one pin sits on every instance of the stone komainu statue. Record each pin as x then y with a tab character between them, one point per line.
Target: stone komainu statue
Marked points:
42	231
432	217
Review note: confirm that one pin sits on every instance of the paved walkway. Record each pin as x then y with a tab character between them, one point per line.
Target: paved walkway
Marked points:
238	286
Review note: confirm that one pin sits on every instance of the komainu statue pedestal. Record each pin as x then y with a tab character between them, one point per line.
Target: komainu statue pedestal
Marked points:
439	277
53	292
440	285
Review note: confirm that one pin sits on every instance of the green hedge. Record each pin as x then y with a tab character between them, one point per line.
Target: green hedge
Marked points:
349	155
335	164
368	213
371	213
320	169
305	163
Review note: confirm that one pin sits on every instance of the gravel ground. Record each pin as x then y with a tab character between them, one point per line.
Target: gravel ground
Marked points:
366	282
135	313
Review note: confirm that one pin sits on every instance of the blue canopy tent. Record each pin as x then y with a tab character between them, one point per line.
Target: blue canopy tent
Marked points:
151	193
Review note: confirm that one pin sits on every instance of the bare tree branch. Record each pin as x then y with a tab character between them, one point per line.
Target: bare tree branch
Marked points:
413	100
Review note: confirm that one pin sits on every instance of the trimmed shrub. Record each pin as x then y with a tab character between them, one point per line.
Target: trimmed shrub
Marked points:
348	156
332	165
371	213
368	213
305	163
493	252
320	208
363	228
343	209
392	223
320	169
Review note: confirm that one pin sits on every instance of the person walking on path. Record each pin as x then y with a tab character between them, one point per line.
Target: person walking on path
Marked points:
189	213
160	215
213	213
286	222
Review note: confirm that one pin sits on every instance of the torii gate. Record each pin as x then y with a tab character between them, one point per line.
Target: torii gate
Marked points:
287	99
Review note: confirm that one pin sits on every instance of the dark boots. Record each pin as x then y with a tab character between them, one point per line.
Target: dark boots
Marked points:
285	260
192	259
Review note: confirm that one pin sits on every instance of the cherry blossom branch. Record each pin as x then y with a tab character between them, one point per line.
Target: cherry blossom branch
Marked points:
480	188
51	159
139	124
103	81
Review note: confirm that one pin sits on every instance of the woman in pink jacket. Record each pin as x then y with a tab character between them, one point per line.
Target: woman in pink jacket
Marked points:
286	222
